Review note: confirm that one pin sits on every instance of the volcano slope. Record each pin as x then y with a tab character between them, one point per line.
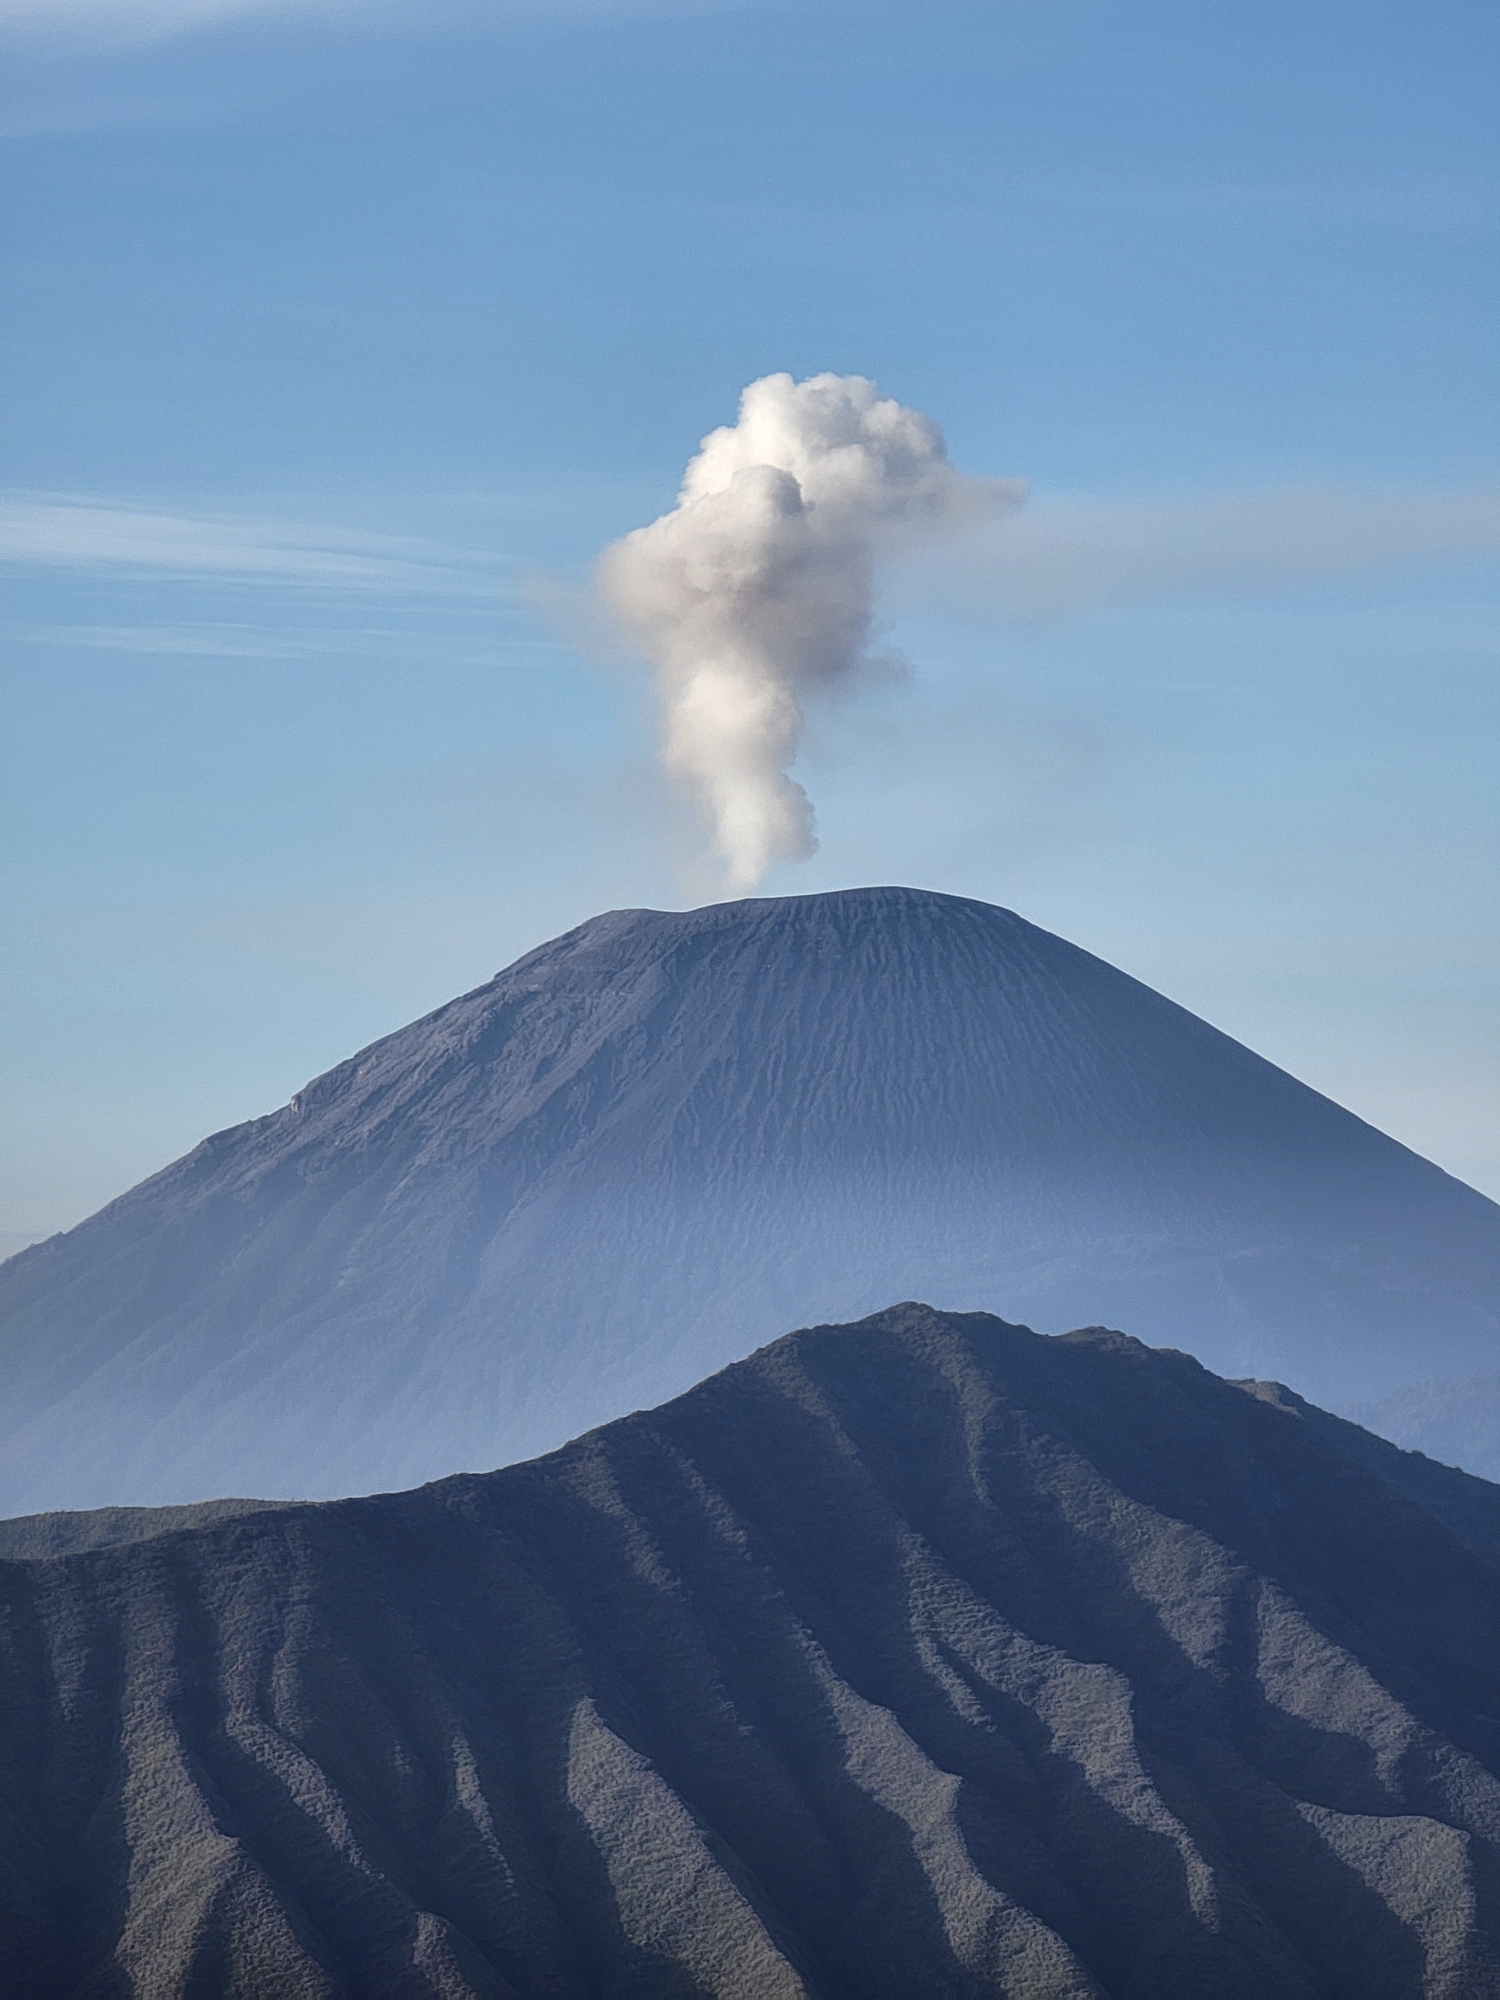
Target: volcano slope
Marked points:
658	1141
916	1658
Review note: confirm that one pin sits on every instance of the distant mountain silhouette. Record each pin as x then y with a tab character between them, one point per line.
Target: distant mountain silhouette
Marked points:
921	1658
658	1140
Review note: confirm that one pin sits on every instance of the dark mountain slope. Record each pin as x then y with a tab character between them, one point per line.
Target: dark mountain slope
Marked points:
650	1144
924	1657
27	1536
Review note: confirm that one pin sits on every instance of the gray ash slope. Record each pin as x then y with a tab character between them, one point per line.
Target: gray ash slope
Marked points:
653	1143
923	1657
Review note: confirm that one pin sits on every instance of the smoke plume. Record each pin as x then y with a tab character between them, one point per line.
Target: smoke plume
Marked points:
757	590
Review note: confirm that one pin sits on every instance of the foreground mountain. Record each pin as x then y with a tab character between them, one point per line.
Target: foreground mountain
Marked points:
659	1140
923	1657
25	1537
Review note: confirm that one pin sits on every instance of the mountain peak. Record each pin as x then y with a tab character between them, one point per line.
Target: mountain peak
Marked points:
648	1144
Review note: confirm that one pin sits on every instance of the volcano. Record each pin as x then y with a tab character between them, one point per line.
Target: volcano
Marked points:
651	1144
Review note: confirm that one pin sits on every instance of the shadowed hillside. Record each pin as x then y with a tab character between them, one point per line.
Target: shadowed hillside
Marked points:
922	1657
27	1536
656	1142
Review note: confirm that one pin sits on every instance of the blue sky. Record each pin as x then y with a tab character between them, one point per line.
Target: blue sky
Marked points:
340	338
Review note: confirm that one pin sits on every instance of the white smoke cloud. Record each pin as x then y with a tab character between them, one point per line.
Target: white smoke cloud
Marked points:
757	590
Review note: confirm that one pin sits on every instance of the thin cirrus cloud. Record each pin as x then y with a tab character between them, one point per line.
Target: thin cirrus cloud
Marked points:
98	26
1059	555
1052	556
112	23
406	644
52	531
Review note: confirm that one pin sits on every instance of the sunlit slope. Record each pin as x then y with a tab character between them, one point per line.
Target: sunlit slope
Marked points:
649	1144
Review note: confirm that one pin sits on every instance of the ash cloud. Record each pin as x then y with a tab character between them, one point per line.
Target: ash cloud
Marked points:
756	592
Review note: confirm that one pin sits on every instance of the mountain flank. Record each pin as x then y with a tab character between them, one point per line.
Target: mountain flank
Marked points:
926	1656
27	1536
653	1144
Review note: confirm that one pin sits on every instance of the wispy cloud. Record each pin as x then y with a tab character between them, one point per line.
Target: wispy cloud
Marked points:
107	27
89	26
1061	555
197	640
66	531
116	23
1055	555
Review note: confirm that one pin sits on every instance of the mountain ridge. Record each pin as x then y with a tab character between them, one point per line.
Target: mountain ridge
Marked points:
927	1654
38	1537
